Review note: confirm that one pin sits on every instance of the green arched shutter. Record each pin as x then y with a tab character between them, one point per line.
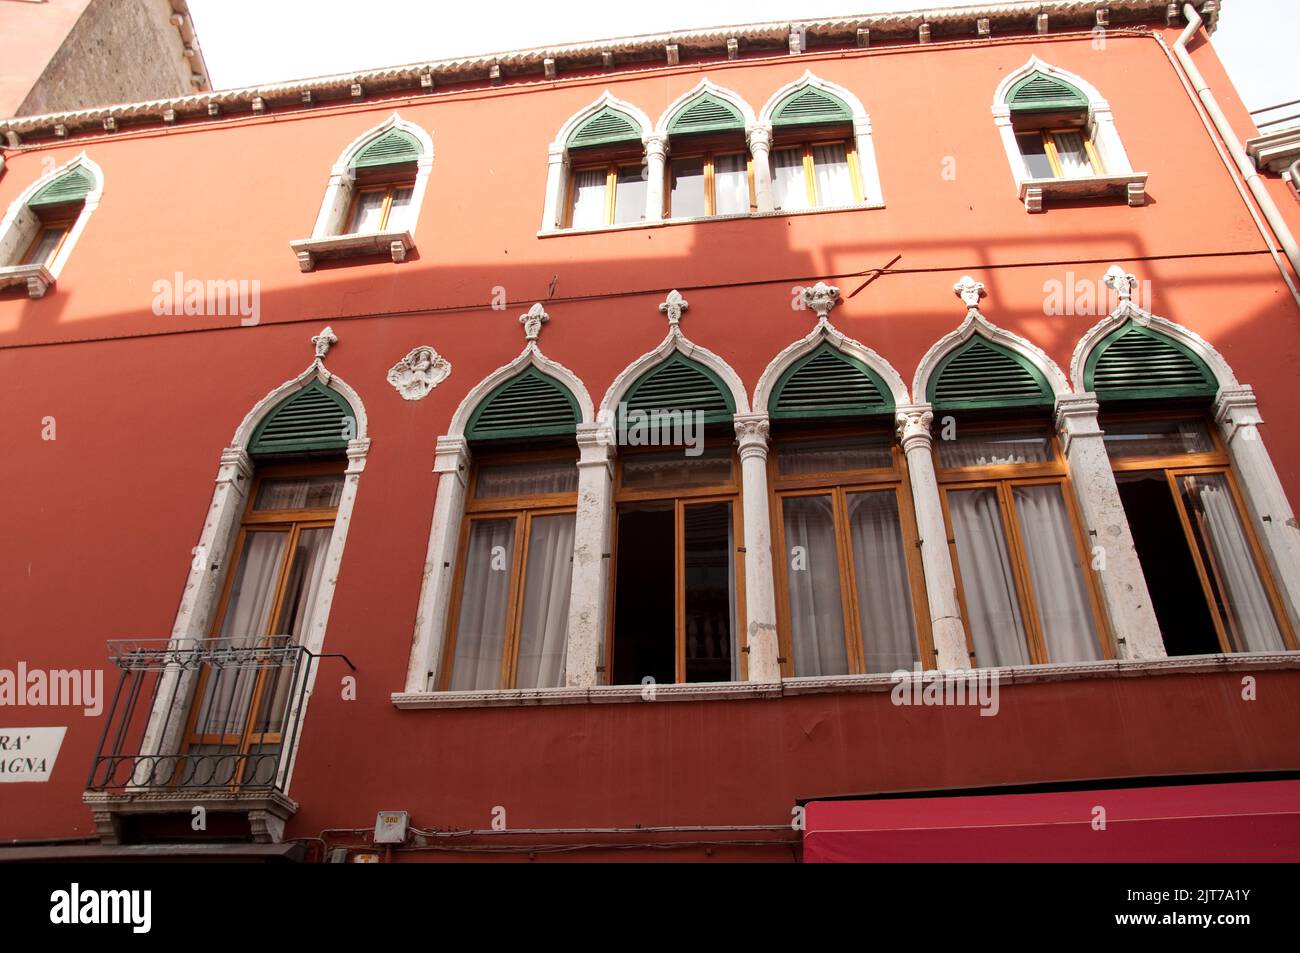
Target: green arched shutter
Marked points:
809	106
706	113
531	404
608	127
72	186
828	383
982	375
1038	93
314	418
1137	363
394	147
681	384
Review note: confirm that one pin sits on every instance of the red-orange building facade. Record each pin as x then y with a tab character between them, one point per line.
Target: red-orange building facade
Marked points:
984	330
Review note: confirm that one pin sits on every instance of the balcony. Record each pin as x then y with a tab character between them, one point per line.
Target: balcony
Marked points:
199	737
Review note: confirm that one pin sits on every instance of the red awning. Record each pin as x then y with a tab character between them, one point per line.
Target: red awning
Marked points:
1234	821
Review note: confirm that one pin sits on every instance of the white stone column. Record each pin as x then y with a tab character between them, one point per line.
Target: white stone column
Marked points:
553	212
761	644
656	154
589	592
1106	140
1110	543
1236	411
451	463
946	628
760	147
868	170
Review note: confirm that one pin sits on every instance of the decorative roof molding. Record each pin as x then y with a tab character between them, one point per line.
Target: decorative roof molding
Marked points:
543	64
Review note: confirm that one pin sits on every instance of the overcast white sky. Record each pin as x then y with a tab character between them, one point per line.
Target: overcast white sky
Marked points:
247	42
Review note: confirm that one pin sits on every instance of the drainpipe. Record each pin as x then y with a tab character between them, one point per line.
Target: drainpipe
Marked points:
1248	170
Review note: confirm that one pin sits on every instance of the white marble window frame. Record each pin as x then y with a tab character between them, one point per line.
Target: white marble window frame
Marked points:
20	225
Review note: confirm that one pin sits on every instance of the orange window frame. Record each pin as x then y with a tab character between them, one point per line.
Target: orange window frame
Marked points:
46	227
710	158
1003	479
611	168
839	484
389	187
1049	135
809	164
523	509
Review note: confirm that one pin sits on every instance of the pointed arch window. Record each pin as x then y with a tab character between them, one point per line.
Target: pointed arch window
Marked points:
710	171
607	182
1025	576
814	152
1050	118
38	230
510	609
1210	586
851	592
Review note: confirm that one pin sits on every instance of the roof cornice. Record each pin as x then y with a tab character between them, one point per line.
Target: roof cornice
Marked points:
603	57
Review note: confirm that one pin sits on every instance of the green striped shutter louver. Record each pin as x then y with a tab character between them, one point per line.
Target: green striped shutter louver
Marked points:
1039	92
393	147
680	384
827	383
1135	363
531	404
72	186
706	113
981	375
808	107
315	418
607	127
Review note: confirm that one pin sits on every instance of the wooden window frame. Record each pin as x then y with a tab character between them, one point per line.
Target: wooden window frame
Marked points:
523	509
389	183
64	223
611	166
1049	133
1003	479
807	142
290	523
839	484
710	157
1215	462
726	492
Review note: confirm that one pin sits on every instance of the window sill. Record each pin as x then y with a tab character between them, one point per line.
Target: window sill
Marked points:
813	685
265	811
37	278
1132	186
312	250
700	220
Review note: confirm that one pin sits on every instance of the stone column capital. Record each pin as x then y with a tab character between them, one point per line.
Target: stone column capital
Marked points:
912	424
1076	416
751	435
452	456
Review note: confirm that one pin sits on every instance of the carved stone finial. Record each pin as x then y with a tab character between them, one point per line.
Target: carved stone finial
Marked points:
533	321
1121	282
970	291
419	372
323	342
821	297
673	306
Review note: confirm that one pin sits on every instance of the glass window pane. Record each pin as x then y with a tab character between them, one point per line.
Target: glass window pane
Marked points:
835	455
975	448
789	187
709	589
481	625
544	626
687	185
1156	438
629	199
1057	570
886	616
831	174
399	215
297	613
987	578
1072	155
526	479
1229	563
675	469
813	584
1034	151
588	198
367	212
299	493
731	184
46	245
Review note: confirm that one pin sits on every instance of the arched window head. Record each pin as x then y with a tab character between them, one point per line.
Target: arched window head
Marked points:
1137	363
821	154
314	419
372	203
530	404
710	171
1060	138
983	375
41	225
830	383
607	181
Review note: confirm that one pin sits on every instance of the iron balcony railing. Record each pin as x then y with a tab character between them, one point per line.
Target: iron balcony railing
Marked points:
203	714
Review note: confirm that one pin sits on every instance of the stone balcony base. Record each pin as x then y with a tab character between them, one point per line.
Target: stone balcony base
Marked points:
266	811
